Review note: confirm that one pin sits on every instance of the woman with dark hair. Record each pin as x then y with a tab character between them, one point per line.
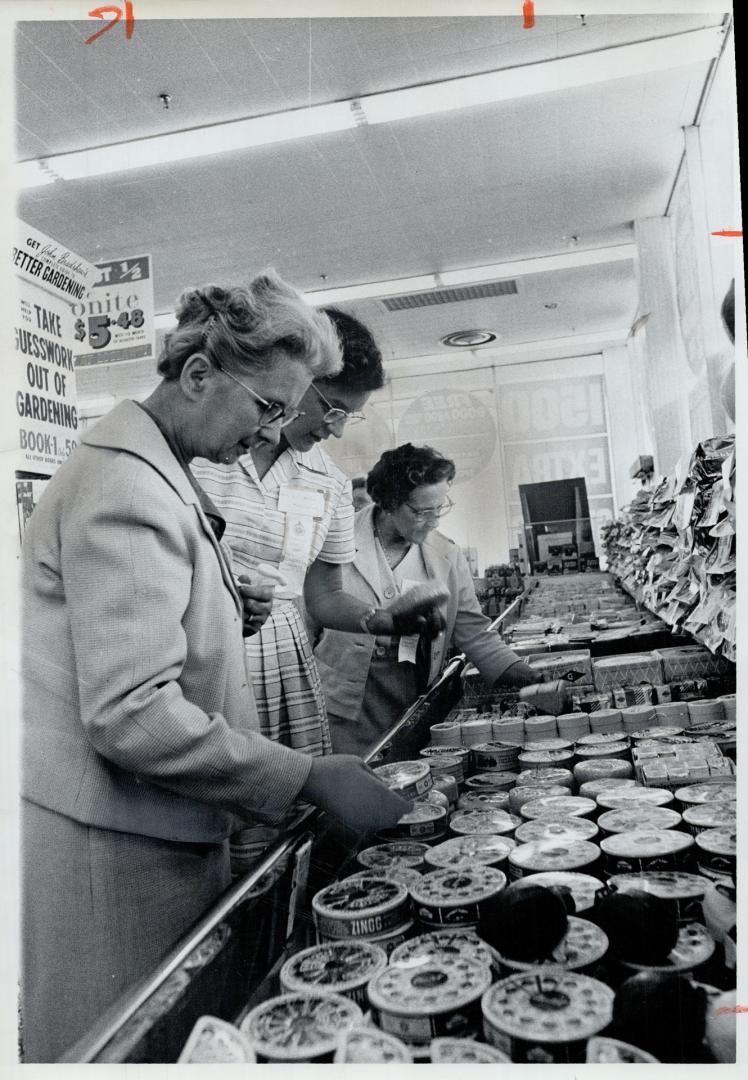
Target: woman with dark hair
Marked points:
288	512
369	680
141	749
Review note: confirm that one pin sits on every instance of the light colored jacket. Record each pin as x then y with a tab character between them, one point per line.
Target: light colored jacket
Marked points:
138	713
344	659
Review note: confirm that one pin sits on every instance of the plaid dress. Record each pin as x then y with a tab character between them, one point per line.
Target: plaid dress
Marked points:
284	674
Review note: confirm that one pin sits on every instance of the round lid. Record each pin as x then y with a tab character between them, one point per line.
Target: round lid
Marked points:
423	812
665	884
542	777
547	744
602	738
446	1051
637	818
444	945
543	757
486	848
643	843
590	789
722	841
406	875
604	1051
583	944
433	987
561	828
215	1042
525	793
460	752
710	815
584	887
364	892
555	805
466	885
368	1045
335	967
715	791
657	732
617	799
554	854
483	821
694	946
489	782
592	753
402	852
299	1026
549	1006
483	800
404	774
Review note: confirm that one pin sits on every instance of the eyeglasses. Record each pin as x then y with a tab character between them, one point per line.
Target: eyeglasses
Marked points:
422	514
334	415
273	410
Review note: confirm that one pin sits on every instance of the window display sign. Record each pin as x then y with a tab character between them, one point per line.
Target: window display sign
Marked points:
116	321
542	410
457	424
559	459
48	277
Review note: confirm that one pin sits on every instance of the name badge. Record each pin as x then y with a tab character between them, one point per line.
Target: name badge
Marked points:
301	502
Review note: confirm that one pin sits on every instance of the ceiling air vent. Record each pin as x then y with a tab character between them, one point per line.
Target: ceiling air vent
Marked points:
449	296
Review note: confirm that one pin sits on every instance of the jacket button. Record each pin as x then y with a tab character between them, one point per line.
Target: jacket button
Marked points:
380	651
389	592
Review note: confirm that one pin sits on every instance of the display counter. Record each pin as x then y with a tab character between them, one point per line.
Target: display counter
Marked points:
230	960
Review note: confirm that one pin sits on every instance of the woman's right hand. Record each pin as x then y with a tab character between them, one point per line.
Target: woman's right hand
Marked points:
347	788
418	611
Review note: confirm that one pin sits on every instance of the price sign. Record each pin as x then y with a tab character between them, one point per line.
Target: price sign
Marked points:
116	322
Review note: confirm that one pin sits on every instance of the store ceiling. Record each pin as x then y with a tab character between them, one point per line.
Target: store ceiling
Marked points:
477	186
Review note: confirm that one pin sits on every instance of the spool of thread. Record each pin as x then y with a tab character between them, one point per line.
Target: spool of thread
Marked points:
706	712
729	704
446	733
606	721
546	759
508	729
672	714
573	726
590	789
491	782
495	757
539	727
525	793
547	777
617	751
600	768
477	730
448	786
638	716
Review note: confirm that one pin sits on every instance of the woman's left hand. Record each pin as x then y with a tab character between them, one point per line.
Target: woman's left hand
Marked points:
258	603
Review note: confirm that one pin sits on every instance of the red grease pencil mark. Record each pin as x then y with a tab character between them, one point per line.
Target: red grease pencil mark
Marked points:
528	10
728	232
100	12
725	1009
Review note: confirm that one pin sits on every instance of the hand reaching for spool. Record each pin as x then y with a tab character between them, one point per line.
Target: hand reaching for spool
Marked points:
345	787
418	611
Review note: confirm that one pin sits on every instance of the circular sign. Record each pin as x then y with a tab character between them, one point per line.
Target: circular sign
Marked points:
456	424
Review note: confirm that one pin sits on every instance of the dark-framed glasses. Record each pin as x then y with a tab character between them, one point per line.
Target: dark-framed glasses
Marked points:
425	513
335	415
272	410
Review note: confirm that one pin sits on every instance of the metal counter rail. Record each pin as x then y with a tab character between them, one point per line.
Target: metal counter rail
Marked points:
411	727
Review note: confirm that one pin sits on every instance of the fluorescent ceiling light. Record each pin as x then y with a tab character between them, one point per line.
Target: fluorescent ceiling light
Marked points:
546	77
544	264
550	76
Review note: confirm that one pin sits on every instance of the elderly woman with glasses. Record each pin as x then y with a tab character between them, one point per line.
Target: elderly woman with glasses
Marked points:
370	679
142	753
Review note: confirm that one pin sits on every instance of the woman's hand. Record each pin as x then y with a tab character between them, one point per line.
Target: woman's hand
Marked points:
418	611
345	787
258	603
